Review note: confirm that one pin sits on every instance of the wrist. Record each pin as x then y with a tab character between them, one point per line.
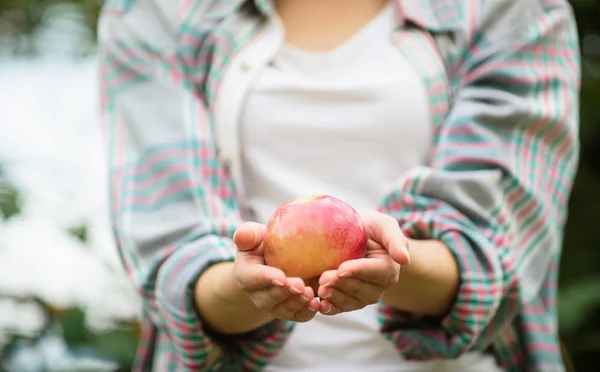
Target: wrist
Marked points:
218	282
223	305
429	284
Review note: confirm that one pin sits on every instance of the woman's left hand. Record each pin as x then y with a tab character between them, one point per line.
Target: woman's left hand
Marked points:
361	282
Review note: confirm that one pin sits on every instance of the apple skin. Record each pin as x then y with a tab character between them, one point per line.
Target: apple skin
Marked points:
308	236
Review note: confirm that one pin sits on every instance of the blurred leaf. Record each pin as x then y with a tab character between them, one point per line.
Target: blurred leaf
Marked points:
120	345
21	21
75	331
10	347
577	301
80	232
10	202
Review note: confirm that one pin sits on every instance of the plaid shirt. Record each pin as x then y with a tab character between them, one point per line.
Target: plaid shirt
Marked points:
502	78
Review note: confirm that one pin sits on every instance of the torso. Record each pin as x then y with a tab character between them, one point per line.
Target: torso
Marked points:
344	115
346	120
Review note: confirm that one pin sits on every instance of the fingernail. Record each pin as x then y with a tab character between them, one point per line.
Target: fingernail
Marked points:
313	309
277	283
330	284
327	294
305	299
328	311
295	290
345	274
405	251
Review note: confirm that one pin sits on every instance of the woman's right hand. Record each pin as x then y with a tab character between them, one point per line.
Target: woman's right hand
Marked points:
268	288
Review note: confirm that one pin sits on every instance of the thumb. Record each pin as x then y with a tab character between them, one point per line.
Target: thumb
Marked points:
399	252
385	230
249	236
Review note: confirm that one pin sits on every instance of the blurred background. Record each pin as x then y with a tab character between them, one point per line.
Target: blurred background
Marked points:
65	303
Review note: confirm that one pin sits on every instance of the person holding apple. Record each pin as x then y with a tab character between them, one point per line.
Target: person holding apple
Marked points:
451	126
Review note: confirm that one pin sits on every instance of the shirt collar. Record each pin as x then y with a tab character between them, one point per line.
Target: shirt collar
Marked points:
433	15
264	6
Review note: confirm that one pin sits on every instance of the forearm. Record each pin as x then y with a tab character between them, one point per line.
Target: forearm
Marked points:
429	285
223	306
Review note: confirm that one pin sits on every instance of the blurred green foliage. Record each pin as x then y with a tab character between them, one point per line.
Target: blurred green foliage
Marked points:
579	302
10	200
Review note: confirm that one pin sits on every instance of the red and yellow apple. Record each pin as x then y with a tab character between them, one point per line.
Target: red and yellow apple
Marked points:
308	236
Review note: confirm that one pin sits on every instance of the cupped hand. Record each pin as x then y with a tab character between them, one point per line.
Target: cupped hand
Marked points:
362	282
268	288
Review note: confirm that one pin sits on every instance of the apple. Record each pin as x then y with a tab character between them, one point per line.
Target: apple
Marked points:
308	236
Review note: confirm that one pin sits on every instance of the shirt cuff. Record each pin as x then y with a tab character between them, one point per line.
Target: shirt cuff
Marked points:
197	347
484	284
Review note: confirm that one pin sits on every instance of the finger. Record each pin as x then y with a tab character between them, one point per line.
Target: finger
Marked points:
375	249
329	278
352	294
295	307
266	299
253	257
253	277
386	231
382	271
327	308
308	312
249	236
295	285
270	298
340	300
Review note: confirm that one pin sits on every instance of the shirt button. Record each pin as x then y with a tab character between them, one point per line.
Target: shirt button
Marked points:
245	67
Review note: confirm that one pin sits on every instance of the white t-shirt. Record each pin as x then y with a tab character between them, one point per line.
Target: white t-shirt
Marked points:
347	123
